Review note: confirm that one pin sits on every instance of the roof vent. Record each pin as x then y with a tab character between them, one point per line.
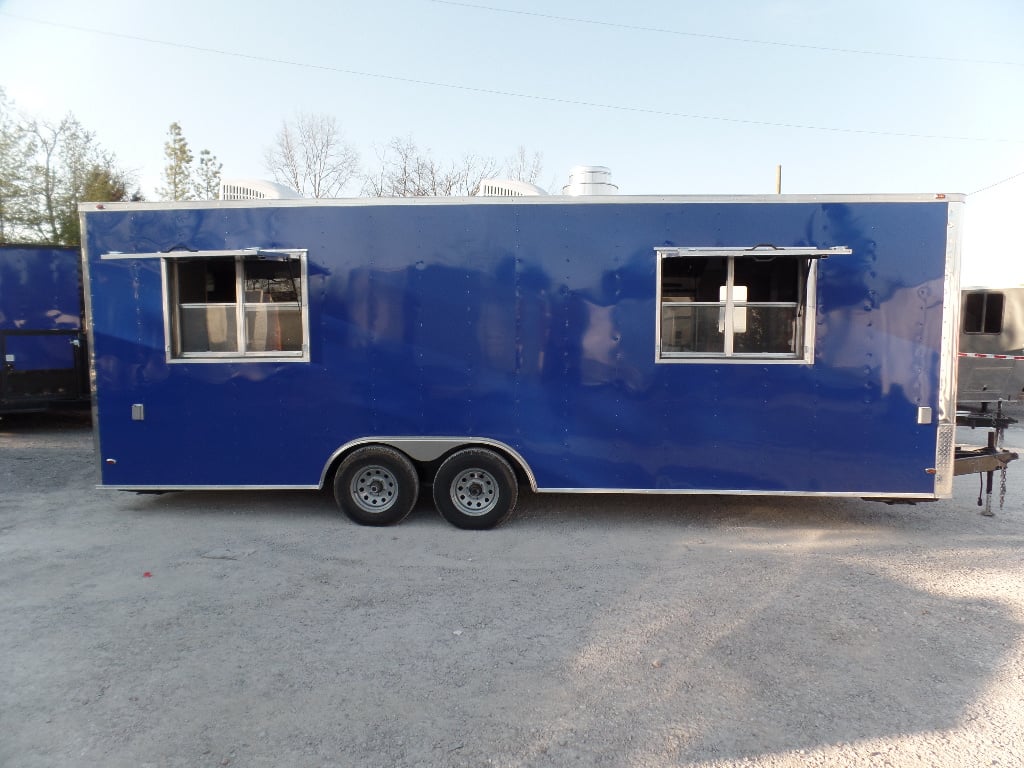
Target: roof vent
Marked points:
255	189
507	188
590	180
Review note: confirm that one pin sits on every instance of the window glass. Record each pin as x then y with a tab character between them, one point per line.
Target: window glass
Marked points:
974	309
768	330
774	280
689	328
994	313
272	281
983	313
271	328
206	280
212	328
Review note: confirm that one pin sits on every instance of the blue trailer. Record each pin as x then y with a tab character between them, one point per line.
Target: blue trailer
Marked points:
41	329
788	344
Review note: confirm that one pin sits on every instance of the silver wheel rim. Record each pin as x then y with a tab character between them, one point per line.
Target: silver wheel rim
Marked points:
374	489
474	492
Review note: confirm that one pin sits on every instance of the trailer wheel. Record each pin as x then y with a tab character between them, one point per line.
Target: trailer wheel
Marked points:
475	489
376	485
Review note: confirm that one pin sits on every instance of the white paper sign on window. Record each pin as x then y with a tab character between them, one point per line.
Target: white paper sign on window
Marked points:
739	314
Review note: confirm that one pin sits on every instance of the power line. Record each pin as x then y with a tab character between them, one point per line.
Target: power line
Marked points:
510	94
727	38
998	183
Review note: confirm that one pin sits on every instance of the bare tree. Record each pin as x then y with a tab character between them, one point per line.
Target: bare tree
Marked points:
524	167
407	171
312	157
283	160
400	171
472	170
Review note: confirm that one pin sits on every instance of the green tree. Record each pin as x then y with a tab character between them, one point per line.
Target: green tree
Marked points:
178	184
66	163
182	180
99	184
46	170
14	162
207	183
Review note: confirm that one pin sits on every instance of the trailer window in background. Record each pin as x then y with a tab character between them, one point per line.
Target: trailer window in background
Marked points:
739	304
240	306
983	313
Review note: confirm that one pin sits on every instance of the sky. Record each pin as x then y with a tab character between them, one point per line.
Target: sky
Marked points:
675	97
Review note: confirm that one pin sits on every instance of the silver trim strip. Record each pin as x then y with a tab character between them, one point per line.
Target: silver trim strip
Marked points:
165	302
707	492
752	252
208	487
429	449
945	451
232	358
696	359
538	200
605	491
91	341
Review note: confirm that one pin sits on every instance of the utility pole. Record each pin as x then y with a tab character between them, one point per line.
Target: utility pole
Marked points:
778	179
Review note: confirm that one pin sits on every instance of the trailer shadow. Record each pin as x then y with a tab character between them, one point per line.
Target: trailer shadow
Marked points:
750	651
68	419
681	511
546	511
285	505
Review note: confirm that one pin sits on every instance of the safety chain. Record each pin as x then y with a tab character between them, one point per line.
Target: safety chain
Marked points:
1002	487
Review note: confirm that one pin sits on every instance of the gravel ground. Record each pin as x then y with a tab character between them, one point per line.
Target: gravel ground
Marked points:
262	629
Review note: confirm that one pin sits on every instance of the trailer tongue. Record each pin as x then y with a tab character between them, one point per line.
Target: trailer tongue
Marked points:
988	459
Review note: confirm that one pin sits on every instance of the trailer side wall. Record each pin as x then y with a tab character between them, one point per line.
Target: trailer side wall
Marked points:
531	324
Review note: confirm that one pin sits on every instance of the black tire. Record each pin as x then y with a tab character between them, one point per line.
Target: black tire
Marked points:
376	485
475	489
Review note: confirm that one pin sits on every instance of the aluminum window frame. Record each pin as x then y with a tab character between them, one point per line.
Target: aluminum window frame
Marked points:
807	293
172	316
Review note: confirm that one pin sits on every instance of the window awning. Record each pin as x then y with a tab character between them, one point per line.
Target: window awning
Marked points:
265	254
753	252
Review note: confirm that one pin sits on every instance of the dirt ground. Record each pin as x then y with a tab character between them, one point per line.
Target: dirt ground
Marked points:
263	629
